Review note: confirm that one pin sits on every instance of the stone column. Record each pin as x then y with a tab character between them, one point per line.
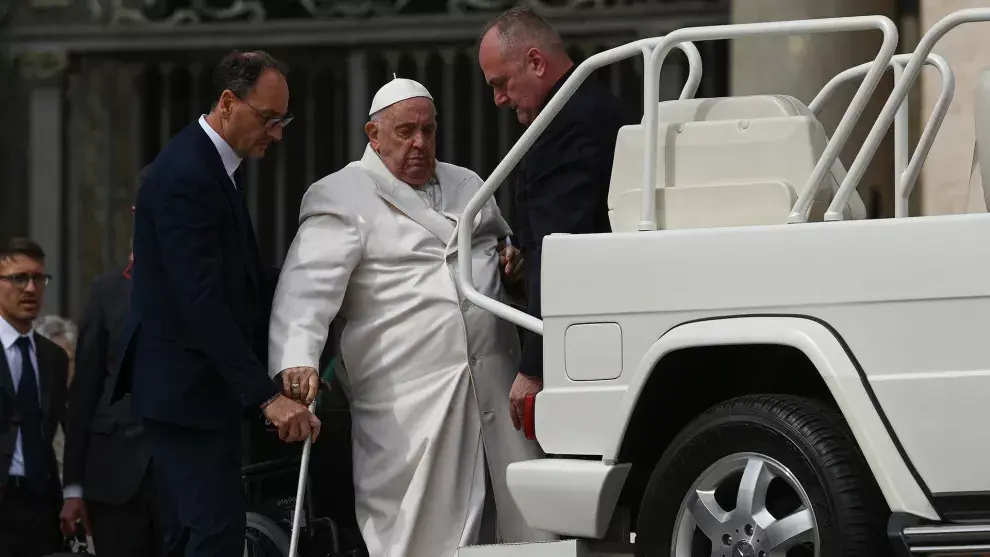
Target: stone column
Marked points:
106	157
359	99
13	150
800	65
945	177
43	71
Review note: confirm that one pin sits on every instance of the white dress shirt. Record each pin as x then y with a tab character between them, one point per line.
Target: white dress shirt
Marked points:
8	336
227	154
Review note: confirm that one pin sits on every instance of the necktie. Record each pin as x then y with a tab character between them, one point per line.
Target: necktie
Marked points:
239	179
32	439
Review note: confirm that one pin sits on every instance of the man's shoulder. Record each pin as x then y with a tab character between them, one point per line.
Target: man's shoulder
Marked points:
189	141
185	155
181	167
345	187
593	114
343	181
590	107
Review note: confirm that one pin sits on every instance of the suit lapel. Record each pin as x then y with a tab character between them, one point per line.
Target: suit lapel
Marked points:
45	363
455	200
6	380
401	196
235	199
243	216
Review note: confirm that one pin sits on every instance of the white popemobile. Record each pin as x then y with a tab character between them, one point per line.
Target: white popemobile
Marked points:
750	366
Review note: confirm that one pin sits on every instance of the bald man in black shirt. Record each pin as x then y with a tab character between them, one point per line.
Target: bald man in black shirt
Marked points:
563	180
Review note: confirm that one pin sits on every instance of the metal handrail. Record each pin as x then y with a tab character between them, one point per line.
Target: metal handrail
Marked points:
661	46
901	88
721	32
465	275
905	172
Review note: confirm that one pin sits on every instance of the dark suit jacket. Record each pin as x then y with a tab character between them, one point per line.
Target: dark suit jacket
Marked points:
562	187
105	447
53	374
197	331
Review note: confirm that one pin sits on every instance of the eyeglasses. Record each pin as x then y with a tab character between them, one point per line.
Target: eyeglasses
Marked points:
21	280
270	122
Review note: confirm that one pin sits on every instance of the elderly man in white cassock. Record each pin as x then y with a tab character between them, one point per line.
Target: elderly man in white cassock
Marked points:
427	374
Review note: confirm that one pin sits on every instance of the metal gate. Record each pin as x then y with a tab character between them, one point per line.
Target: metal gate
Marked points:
123	107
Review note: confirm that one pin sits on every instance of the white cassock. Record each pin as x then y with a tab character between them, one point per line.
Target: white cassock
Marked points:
427	373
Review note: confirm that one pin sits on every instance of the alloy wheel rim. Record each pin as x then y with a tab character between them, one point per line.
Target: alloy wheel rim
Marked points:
749	529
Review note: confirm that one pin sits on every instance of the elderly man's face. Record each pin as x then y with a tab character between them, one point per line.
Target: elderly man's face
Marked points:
405	138
22	290
516	78
251	124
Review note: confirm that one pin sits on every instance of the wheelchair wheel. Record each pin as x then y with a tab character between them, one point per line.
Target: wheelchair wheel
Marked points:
264	538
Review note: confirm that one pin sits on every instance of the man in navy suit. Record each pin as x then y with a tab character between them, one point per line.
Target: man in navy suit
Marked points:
194	343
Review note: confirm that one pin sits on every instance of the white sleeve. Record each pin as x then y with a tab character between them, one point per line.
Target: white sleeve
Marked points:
313	279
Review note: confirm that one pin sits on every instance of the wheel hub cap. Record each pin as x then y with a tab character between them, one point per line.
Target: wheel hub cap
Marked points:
749	529
743	549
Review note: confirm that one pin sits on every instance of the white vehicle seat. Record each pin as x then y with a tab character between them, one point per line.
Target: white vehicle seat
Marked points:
732	161
980	172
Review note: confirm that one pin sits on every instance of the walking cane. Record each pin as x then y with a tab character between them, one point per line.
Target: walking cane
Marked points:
301	491
323	385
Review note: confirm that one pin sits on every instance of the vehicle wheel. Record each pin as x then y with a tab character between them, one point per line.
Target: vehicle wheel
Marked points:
264	538
763	476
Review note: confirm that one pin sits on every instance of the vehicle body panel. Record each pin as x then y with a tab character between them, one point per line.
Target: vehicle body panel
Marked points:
907	296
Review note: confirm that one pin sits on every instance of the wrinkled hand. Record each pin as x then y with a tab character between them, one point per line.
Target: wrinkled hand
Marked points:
510	260
294	421
300	384
522	386
73	511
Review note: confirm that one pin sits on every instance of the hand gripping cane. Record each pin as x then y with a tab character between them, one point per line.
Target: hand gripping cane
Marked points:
303	476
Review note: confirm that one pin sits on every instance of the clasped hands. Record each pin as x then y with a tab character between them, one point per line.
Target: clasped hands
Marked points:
289	411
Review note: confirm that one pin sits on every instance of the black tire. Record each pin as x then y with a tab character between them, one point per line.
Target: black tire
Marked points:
264	537
811	440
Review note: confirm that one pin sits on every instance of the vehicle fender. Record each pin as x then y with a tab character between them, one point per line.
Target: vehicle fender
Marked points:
848	384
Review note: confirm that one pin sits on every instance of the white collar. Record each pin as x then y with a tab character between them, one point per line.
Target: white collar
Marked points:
9	335
227	154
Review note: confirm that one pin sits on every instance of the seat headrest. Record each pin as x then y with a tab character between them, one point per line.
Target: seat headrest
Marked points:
729	108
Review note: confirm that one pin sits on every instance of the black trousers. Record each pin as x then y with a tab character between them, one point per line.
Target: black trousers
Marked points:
132	529
29	523
201	497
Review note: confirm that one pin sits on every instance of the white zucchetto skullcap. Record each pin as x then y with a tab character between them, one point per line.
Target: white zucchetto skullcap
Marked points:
397	90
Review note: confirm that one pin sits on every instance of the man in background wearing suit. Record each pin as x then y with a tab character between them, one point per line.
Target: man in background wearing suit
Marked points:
33	376
195	336
106	453
563	180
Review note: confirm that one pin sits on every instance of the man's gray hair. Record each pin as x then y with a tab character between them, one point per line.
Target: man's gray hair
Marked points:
55	328
522	28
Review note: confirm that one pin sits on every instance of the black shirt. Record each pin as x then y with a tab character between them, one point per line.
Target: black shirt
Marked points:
562	187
